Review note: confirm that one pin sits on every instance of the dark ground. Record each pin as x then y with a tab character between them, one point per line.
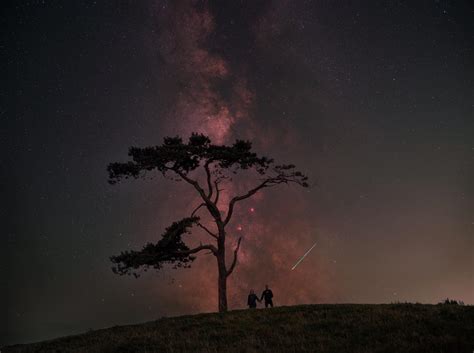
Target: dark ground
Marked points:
307	328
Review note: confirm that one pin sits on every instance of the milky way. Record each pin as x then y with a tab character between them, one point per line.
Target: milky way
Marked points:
185	29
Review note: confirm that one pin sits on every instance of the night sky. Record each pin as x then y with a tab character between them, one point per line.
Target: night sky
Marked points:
374	103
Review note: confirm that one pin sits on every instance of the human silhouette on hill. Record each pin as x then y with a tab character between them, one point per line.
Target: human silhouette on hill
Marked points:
252	300
268	295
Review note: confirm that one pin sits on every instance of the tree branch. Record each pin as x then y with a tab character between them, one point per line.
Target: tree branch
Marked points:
197	209
210	247
234	262
218	191
207	230
201	225
208	174
213	210
284	175
243	197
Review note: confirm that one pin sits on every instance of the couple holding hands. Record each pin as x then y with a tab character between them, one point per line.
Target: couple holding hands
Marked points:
267	295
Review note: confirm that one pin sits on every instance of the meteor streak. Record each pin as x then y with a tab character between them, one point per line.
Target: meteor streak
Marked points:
302	257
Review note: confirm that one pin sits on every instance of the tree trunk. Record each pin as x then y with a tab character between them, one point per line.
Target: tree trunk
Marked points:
222	284
222	280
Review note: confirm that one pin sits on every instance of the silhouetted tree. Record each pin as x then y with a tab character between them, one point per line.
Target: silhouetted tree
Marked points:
181	161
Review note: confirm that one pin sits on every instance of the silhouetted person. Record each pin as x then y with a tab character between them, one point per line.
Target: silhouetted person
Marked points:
252	300
268	296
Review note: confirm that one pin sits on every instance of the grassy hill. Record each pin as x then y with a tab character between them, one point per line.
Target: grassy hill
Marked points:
305	328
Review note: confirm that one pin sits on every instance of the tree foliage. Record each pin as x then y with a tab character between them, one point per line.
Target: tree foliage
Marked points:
175	157
169	249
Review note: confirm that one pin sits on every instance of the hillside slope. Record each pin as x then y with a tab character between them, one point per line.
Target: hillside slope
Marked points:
306	328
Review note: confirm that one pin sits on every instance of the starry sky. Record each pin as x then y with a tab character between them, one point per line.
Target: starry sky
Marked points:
373	102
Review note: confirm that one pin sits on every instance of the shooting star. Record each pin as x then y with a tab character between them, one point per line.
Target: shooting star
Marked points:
302	257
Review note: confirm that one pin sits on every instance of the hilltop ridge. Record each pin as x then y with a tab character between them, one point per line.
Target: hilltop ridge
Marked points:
305	328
